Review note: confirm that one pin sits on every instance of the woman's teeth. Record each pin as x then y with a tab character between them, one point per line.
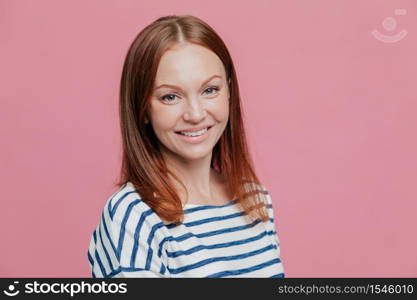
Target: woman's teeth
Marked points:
195	133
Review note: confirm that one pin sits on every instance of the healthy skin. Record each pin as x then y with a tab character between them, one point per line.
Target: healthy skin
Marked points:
191	93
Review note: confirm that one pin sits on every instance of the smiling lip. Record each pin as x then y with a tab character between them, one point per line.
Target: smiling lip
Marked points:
195	139
194	129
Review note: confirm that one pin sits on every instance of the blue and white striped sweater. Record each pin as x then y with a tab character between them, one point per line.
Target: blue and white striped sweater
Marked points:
213	241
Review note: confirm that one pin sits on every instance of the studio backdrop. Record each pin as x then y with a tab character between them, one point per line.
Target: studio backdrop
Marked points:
329	95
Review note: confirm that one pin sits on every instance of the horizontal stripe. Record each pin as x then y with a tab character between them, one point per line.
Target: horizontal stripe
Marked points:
212	241
221	258
280	275
216	246
205	234
208	220
126	269
247	270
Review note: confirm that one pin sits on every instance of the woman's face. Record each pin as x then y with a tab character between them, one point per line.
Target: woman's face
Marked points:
189	106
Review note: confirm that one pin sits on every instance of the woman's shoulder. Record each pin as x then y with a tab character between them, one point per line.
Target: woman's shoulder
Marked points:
268	202
266	198
260	188
126	203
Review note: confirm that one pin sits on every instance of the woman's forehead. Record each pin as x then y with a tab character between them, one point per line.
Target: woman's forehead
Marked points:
192	62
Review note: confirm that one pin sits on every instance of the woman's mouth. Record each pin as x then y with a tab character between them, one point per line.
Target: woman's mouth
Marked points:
194	136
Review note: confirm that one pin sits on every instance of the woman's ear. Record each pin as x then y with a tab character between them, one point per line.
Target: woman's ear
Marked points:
146	120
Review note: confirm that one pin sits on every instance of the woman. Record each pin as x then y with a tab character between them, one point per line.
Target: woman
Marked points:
188	203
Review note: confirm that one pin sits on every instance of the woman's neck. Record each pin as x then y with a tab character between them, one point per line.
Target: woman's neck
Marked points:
201	181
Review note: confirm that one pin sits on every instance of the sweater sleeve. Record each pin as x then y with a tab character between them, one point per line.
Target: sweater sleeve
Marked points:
270	224
127	240
271	214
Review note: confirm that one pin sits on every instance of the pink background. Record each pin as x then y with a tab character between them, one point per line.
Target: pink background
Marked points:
330	111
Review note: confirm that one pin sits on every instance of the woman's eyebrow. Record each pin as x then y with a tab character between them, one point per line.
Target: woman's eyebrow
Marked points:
177	87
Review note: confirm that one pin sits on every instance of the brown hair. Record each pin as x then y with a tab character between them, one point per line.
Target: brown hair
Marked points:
142	162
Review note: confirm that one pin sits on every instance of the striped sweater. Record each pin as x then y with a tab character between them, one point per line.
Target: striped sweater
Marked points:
213	241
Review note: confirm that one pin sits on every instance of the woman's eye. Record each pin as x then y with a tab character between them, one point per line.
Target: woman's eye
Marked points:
211	89
169	97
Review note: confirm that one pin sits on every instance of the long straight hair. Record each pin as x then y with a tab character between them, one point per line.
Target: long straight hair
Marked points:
142	162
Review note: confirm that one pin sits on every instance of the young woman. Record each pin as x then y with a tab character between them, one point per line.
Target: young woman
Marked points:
188	203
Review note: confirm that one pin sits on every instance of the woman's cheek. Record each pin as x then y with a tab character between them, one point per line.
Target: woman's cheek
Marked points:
222	109
164	117
166	120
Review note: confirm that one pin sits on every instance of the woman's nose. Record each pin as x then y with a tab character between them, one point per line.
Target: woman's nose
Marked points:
194	111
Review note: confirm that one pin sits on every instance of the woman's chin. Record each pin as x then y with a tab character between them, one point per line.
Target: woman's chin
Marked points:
194	155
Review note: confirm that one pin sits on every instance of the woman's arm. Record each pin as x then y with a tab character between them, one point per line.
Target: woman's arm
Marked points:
125	243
